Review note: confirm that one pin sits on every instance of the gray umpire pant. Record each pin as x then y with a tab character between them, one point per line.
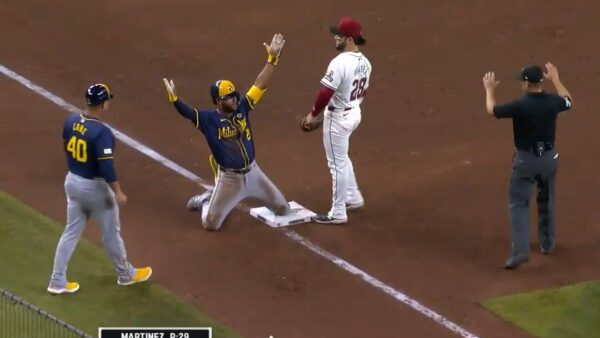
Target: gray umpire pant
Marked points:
529	170
231	188
90	198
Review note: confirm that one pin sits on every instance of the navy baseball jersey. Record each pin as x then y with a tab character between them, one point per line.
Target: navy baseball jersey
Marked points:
89	147
229	138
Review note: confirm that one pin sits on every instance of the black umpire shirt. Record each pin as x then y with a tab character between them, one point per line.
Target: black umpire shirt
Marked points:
534	117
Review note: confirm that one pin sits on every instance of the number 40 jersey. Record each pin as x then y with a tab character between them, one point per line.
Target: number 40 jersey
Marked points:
89	147
348	75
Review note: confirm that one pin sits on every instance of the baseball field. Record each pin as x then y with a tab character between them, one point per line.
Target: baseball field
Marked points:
422	259
26	234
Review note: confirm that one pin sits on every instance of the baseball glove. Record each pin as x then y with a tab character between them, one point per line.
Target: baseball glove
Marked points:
314	125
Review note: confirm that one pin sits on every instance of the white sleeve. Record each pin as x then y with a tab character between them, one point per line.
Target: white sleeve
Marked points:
369	75
333	76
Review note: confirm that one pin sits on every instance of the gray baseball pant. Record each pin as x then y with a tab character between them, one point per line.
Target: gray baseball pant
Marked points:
529	170
90	198
231	188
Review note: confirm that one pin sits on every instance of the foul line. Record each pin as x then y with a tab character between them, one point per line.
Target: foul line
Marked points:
347	266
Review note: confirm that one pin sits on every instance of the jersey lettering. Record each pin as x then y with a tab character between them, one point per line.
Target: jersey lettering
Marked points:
239	127
227	132
348	75
89	147
79	127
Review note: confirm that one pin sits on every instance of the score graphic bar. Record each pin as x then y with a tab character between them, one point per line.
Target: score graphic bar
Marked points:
155	332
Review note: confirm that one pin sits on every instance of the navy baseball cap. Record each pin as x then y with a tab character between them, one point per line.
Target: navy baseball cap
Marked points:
533	74
98	93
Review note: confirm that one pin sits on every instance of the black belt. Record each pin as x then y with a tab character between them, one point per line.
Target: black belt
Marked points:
538	148
244	170
330	108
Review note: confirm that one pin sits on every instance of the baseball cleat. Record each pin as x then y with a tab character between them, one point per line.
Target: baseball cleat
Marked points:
354	206
515	261
548	250
325	219
70	287
141	275
197	201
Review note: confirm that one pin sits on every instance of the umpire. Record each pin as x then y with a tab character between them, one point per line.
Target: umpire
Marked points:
535	160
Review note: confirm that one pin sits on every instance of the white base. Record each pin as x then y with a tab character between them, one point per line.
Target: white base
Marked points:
298	215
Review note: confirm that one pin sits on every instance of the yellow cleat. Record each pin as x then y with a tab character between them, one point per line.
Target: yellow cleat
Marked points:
71	287
141	275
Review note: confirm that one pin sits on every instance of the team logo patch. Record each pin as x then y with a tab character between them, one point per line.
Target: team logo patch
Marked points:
107	151
329	76
242	123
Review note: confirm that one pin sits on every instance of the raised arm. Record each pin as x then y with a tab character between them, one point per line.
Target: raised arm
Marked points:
552	75
183	109
273	52
490	84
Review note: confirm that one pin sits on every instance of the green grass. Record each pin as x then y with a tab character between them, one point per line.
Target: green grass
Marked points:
572	311
27	244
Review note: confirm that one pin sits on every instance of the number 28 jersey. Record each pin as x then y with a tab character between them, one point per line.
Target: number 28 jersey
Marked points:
348	75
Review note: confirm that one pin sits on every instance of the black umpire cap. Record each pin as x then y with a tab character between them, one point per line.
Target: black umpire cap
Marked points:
533	74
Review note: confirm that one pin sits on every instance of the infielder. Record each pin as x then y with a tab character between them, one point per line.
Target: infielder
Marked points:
344	86
92	191
229	135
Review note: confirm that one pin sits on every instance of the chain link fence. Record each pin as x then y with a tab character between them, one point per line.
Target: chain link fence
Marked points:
20	319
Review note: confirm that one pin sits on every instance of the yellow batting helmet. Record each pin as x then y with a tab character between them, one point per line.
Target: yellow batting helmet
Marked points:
223	89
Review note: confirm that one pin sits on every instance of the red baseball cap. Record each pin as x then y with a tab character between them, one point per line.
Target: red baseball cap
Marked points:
350	28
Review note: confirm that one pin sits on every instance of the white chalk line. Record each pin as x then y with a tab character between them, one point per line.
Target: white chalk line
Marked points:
345	265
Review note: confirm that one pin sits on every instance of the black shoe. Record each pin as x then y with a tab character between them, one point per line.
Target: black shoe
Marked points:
325	219
514	261
548	249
